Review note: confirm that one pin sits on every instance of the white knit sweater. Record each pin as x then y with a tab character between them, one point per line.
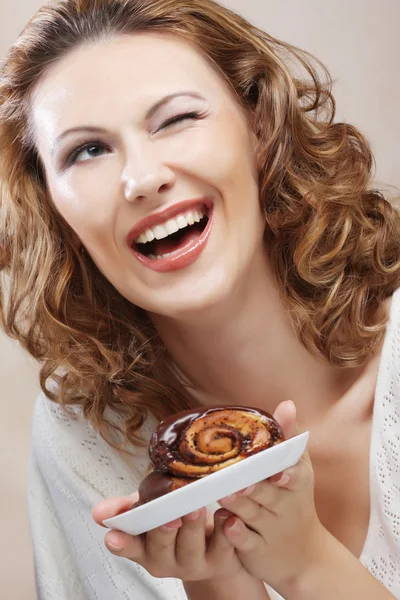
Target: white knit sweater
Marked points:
72	468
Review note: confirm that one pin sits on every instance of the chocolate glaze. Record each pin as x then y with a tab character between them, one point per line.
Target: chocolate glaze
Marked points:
155	484
164	448
165	439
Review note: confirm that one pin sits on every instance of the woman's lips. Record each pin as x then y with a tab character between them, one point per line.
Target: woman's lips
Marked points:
182	257
164	215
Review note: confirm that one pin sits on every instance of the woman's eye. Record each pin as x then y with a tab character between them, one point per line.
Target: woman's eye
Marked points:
191	115
93	149
86	152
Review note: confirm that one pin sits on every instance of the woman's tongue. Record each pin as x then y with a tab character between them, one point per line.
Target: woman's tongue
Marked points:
169	244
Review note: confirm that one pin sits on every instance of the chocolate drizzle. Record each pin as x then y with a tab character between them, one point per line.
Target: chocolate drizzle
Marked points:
164	444
154	485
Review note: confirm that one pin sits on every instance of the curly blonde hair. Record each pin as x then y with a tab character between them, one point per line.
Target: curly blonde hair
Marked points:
334	244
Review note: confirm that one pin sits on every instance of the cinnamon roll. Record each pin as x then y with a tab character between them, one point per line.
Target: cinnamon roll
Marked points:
195	443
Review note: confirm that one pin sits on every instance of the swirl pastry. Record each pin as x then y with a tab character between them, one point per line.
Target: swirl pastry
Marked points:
196	443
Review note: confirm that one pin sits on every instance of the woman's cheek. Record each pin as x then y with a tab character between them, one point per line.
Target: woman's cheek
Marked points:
85	197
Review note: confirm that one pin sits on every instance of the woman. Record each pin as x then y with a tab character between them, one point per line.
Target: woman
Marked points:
183	224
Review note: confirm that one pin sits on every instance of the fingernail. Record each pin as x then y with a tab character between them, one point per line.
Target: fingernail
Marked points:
284	479
109	543
234	526
224	515
293	404
113	548
173	525
193	516
248	490
230	498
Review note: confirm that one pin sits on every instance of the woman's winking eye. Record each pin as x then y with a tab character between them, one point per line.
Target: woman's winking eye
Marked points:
95	145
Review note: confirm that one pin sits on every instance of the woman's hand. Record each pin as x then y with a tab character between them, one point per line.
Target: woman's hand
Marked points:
276	531
193	548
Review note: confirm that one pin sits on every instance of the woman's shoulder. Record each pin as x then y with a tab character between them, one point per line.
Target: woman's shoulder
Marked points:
389	370
387	394
383	542
394	311
64	445
71	469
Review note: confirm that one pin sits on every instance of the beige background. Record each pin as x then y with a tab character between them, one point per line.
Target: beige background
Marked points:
359	42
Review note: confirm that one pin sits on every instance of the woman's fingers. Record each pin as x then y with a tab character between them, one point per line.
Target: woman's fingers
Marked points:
191	541
218	542
247	509
301	476
242	538
160	549
124	545
280	479
264	493
285	414
111	507
157	547
209	523
117	542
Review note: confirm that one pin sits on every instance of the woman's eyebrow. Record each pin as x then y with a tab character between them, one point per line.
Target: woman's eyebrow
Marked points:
168	98
152	110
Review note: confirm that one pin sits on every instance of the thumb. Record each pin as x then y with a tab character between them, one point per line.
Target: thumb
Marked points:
285	414
110	508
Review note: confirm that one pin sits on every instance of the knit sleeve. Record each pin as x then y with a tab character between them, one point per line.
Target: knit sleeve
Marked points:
381	553
71	468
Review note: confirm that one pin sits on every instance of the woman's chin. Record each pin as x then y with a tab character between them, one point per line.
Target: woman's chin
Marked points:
192	303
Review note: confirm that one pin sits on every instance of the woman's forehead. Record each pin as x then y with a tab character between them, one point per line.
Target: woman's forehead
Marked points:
127	71
142	64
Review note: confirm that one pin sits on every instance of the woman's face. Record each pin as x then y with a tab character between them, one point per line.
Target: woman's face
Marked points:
152	163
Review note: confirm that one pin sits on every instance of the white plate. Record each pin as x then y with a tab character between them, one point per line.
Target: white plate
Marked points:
211	488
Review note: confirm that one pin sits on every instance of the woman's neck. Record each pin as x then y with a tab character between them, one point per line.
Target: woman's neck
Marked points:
246	352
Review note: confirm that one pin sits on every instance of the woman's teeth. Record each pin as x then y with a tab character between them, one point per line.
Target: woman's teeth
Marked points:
154	257
158	232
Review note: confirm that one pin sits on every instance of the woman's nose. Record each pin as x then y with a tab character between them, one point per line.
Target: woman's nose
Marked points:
147	183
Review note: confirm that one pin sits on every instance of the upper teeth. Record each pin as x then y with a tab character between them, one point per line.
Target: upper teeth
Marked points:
163	230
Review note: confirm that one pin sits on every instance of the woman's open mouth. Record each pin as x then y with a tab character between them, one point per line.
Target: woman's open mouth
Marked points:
177	242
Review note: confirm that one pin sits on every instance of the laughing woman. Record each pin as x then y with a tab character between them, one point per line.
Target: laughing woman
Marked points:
184	224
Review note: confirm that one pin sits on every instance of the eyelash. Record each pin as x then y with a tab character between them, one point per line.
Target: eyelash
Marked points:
71	159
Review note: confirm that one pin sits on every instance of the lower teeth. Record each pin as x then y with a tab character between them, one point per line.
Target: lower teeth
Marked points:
154	257
160	256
